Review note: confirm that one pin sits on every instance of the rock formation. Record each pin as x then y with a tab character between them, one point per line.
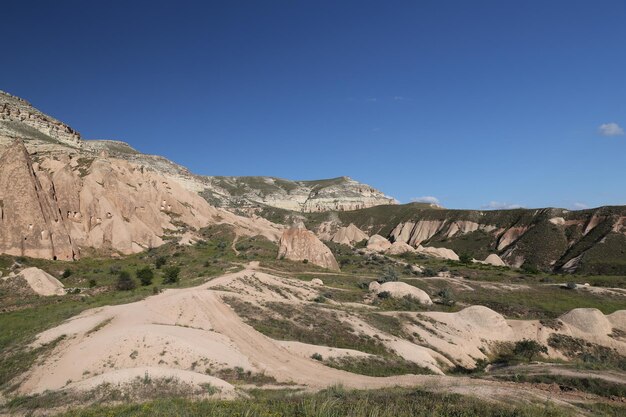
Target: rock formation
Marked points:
41	282
30	219
444	253
349	235
378	243
402	289
494	260
52	208
299	244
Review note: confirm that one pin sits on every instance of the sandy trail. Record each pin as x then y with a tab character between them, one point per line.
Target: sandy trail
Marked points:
181	328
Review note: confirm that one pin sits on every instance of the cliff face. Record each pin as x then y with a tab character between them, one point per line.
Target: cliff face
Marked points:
18	119
30	219
340	194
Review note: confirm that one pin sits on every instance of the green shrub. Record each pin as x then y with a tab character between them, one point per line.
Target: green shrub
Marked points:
528	349
317	357
67	273
170	275
125	282
145	276
389	275
92	283
160	261
465	258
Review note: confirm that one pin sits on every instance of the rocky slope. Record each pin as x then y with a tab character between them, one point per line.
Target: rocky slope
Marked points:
588	241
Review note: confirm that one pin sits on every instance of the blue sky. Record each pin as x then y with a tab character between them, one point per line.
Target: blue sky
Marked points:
478	104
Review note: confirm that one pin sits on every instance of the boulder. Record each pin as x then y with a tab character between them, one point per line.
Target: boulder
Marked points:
374	286
398	248
378	243
297	244
444	253
494	260
402	289
41	282
317	282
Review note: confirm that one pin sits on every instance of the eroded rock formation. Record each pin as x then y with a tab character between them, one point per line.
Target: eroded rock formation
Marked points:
299	244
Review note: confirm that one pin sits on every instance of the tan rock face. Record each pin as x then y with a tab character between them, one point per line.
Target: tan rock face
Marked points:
298	244
30	219
378	243
52	208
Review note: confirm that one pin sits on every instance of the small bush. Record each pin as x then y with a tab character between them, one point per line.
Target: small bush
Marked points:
125	282
305	261
389	275
67	273
156	290
170	275
465	258
317	357
92	283
528	349
571	286
384	294
145	276
160	261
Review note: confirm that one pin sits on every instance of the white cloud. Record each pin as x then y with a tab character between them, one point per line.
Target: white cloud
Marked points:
580	206
371	99
426	199
402	98
497	205
611	129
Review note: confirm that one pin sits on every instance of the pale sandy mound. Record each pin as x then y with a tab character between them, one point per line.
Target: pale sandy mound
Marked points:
317	282
349	235
306	350
378	243
299	244
125	377
587	321
618	320
438	252
494	260
374	286
465	335
41	282
402	289
398	248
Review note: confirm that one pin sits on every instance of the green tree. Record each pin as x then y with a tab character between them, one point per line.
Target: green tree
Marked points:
125	282
170	275
145	276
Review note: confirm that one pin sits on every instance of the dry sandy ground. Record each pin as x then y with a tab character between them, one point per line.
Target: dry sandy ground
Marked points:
189	333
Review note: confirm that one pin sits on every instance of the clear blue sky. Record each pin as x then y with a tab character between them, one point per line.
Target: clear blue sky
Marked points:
475	103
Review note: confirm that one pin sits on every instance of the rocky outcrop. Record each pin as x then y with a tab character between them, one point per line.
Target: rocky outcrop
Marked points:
349	235
401	290
299	244
18	119
31	223
398	248
378	243
414	233
339	194
40	282
492	259
443	253
52	208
